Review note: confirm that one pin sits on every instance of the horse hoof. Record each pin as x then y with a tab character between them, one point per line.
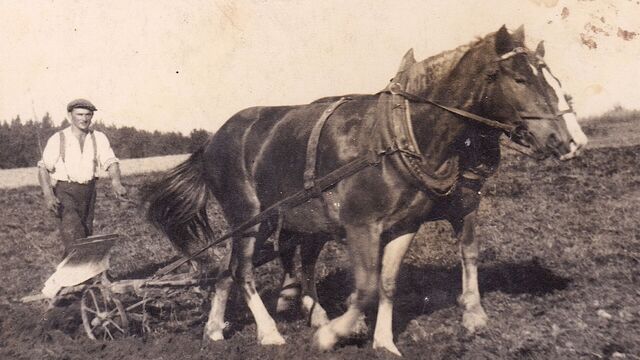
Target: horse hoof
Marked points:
272	338
360	327
216	336
210	339
319	318
474	319
319	315
389	346
213	334
284	304
325	339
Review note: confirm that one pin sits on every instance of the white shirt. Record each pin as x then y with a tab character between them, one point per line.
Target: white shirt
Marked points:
78	164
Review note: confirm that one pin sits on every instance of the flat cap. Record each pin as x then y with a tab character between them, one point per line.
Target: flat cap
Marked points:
81	104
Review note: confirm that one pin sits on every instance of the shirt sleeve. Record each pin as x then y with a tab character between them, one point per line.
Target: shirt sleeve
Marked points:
106	157
51	153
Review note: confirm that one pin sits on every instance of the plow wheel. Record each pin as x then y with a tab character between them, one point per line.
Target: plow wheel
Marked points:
103	316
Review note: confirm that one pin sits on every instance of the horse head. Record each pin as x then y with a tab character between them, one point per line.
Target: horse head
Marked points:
511	86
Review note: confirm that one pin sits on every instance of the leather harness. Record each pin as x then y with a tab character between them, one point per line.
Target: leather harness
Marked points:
314	140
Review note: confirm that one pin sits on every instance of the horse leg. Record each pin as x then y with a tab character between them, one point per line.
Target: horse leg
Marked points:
216	324
243	273
309	252
474	316
290	288
241	268
392	259
363	243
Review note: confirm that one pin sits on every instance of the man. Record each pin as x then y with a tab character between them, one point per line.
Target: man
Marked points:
68	170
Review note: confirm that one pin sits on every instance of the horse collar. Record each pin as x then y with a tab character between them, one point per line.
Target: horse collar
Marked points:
441	181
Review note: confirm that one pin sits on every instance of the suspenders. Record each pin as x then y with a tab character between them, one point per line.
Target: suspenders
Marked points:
63	151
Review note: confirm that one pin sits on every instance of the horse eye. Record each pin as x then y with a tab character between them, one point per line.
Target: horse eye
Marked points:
520	80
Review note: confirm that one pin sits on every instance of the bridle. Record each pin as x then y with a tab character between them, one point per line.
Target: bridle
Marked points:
513	131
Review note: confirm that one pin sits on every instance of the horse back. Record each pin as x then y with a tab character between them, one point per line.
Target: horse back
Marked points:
266	146
259	138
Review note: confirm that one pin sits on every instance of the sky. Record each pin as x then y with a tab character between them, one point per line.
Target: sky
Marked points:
181	65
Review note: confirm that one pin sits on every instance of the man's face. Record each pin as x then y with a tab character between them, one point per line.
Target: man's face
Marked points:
81	118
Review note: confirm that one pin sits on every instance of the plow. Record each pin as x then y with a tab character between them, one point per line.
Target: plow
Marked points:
112	309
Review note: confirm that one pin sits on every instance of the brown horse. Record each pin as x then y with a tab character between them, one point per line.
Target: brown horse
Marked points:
418	78
259	156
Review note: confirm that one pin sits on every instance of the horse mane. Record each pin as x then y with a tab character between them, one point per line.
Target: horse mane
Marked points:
421	76
432	69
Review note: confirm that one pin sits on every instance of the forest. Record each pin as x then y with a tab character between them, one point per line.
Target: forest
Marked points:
21	142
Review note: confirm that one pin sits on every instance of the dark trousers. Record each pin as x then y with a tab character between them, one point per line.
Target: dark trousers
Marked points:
76	216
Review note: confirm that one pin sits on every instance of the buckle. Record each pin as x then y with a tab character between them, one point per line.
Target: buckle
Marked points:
395	88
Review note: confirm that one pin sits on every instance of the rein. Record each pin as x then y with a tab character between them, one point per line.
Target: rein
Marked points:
396	89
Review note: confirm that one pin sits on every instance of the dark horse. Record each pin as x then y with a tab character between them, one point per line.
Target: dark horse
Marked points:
418	78
259	156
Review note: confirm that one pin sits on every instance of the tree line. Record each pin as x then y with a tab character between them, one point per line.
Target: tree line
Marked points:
21	142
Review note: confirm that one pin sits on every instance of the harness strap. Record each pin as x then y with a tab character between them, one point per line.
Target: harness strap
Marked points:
440	182
533	116
396	89
413	147
516	51
314	140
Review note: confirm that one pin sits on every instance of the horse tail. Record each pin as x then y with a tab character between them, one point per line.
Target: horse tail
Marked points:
177	203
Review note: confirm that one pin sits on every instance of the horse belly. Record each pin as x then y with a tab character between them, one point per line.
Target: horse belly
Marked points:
309	217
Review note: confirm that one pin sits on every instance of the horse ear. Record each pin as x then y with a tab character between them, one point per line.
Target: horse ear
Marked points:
540	49
504	42
407	61
518	35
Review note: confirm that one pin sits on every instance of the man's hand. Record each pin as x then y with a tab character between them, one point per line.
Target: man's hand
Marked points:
116	184
50	199
120	191
53	204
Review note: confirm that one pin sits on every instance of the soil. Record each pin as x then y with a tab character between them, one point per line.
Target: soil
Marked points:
559	277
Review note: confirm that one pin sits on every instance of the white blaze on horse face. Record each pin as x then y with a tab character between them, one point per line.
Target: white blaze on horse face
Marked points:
579	139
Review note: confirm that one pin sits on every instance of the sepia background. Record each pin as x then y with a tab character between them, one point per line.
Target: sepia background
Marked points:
560	249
